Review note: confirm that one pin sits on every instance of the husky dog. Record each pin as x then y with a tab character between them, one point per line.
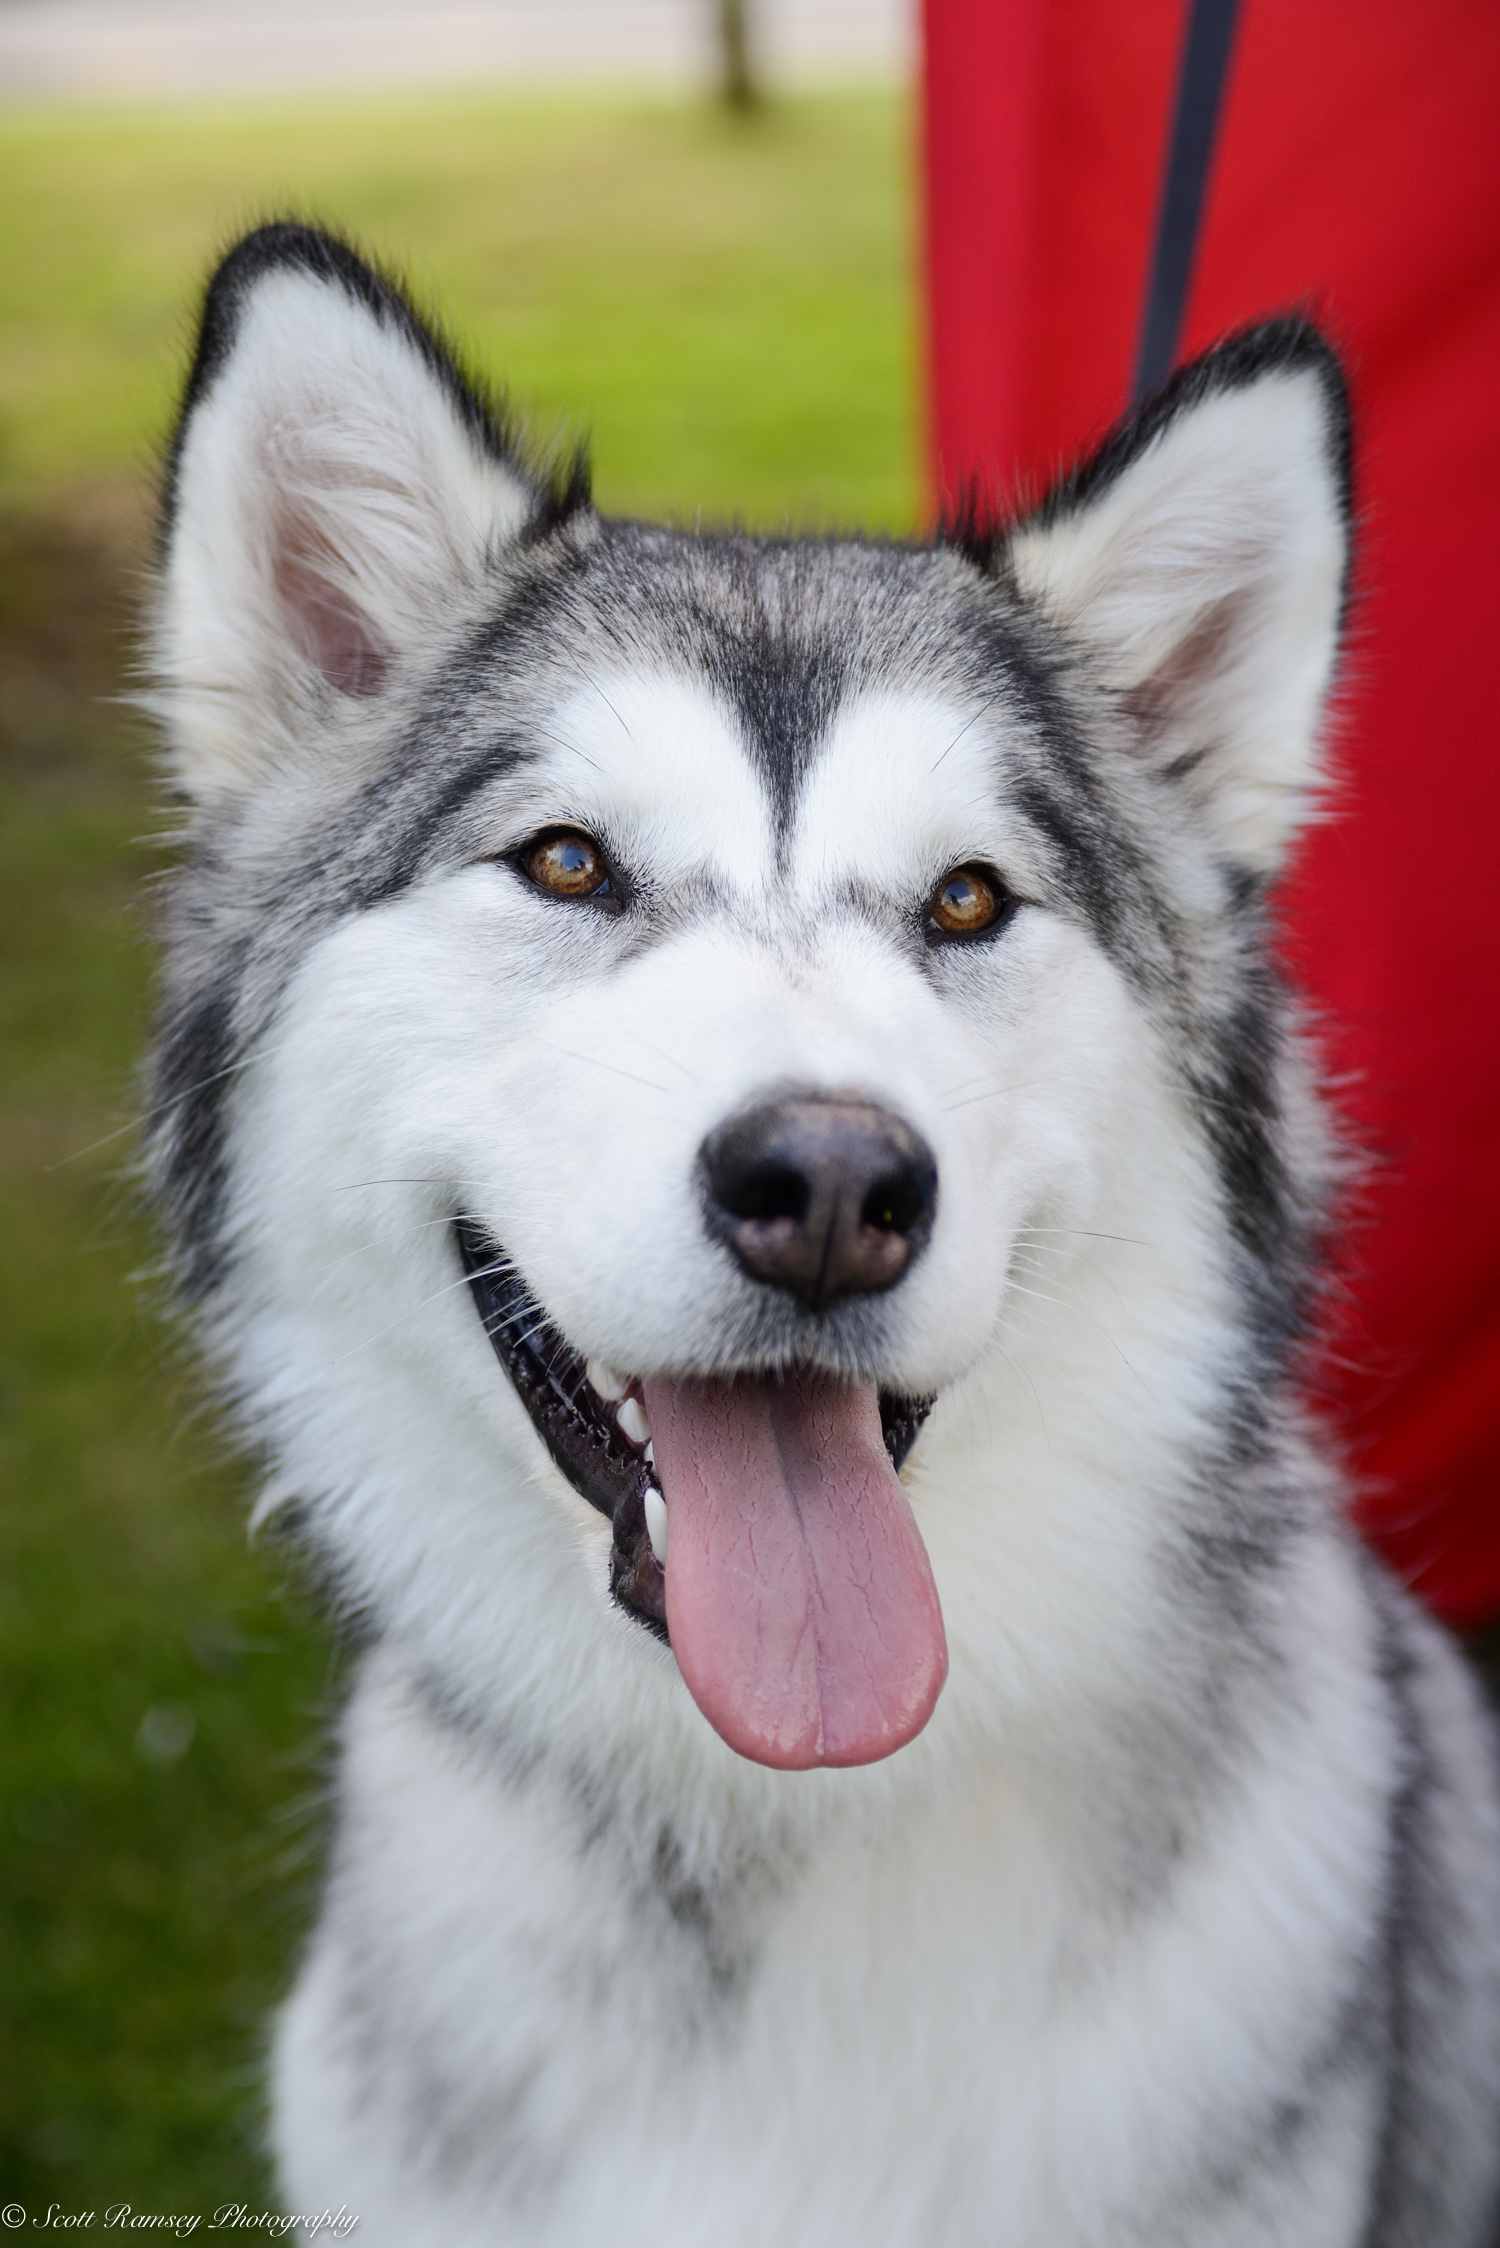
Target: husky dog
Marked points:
731	1121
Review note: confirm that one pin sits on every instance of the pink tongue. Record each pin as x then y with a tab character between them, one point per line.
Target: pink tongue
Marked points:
800	1600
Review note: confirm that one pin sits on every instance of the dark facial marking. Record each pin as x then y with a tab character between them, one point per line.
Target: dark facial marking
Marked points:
784	685
195	1055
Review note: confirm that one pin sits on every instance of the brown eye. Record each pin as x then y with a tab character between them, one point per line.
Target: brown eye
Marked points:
568	864
966	901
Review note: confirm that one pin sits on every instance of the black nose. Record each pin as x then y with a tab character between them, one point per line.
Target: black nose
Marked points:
826	1197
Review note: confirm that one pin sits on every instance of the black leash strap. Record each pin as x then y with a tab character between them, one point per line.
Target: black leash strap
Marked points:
1200	97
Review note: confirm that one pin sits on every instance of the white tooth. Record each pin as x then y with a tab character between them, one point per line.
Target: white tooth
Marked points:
634	1425
650	1453
605	1382
656	1522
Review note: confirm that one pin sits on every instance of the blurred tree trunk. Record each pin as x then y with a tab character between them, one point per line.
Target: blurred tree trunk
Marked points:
737	82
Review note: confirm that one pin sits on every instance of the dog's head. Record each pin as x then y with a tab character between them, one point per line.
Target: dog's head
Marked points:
648	1013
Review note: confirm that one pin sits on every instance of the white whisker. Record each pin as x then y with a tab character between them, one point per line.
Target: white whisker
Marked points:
327	1270
995	1092
965	728
521	1341
1036	1397
356	1186
613	1068
1082	1233
1062	1305
590	681
150	1115
400	1321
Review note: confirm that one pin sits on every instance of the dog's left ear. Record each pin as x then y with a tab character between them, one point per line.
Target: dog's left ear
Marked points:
338	492
1200	560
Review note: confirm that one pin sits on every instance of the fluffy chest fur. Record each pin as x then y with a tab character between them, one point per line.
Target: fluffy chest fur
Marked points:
967	2011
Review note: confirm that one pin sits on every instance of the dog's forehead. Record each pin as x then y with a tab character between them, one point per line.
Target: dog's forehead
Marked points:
662	759
902	774
665	757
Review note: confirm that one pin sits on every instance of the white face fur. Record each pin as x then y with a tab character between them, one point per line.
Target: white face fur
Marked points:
472	1043
475	1044
511	1048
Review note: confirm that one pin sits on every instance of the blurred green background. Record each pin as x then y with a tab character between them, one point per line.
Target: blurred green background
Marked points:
724	305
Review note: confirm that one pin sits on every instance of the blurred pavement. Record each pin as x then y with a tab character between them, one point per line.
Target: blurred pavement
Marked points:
103	49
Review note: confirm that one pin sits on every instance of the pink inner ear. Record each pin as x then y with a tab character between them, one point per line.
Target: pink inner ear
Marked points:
1188	671
331	631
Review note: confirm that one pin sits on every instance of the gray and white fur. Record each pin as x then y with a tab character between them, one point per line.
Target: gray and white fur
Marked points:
1179	1923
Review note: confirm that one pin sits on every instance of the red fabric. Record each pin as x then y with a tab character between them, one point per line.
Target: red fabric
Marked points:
1357	176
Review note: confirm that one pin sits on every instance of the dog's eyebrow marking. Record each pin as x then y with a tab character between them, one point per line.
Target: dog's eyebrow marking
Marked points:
489	763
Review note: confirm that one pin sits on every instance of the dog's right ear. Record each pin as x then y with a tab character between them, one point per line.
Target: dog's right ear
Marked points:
1198	563
336	487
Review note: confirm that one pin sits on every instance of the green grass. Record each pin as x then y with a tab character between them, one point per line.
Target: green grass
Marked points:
723	302
726	307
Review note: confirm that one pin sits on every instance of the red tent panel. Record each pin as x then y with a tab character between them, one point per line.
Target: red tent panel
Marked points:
1356	175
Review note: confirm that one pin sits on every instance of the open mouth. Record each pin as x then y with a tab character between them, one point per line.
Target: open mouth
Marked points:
842	1501
594	1423
602	1447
